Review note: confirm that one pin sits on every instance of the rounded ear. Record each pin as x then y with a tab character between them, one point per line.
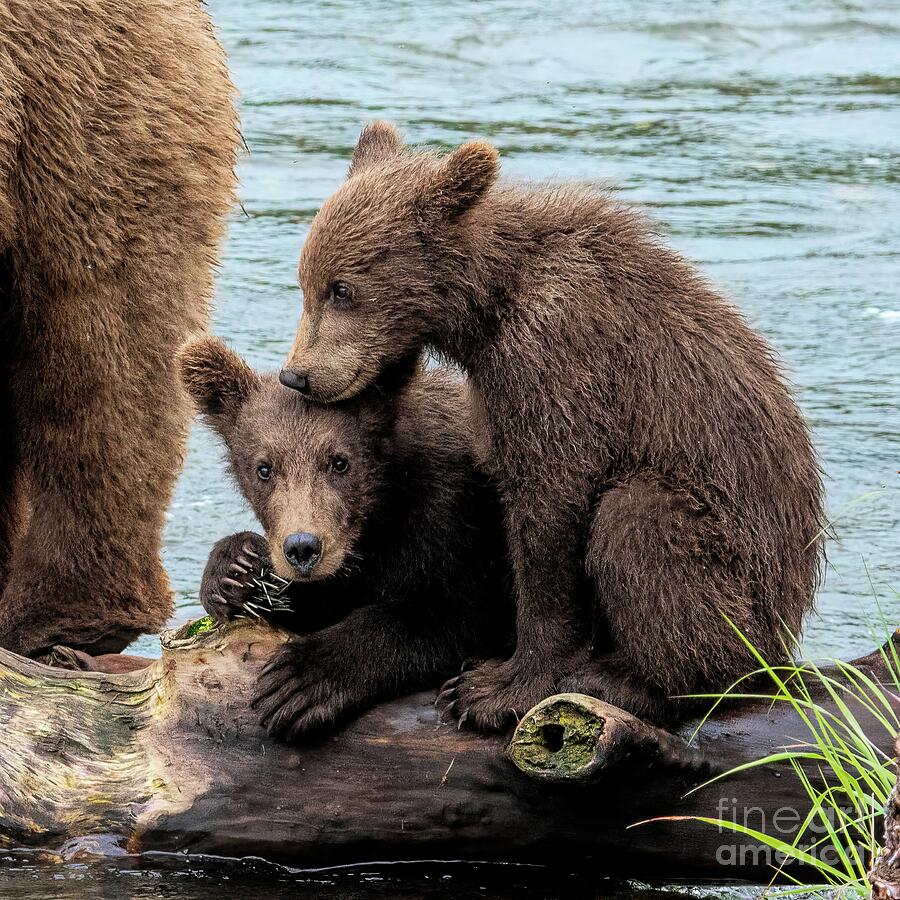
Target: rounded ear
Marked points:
464	178
379	142
217	378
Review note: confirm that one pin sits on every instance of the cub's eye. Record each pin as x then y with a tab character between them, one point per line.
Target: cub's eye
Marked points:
264	472
341	293
339	465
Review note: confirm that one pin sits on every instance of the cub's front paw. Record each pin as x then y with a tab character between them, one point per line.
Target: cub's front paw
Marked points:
493	696
305	689
235	564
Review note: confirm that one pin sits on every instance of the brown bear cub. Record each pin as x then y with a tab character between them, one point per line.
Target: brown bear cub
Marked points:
658	481
374	512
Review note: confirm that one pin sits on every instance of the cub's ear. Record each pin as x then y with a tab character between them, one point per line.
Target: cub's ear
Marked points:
379	142
464	178
217	378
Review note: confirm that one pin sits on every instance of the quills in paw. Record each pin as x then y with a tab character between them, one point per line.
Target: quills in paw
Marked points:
270	595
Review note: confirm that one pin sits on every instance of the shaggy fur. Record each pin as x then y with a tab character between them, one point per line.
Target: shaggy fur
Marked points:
655	473
117	148
412	576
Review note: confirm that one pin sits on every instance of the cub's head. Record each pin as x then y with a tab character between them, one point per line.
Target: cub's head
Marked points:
370	268
312	474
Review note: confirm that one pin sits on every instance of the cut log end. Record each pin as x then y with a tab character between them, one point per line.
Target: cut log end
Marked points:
559	739
576	738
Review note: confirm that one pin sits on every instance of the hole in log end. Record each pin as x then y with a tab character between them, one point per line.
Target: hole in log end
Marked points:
553	737
558	739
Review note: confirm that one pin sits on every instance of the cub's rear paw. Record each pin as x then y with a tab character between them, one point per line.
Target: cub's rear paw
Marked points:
613	682
305	689
229	581
493	696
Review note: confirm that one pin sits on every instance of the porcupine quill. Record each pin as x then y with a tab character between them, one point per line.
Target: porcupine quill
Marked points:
269	595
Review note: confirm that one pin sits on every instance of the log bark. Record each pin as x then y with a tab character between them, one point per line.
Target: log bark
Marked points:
170	758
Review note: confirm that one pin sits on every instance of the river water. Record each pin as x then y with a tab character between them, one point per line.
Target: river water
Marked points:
762	136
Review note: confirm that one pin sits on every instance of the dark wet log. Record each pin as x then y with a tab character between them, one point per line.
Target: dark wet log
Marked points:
170	758
885	872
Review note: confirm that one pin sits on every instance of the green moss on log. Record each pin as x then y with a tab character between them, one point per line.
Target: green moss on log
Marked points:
200	626
558	739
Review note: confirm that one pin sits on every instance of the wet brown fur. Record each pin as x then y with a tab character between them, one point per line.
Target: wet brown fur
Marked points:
655	472
413	577
117	147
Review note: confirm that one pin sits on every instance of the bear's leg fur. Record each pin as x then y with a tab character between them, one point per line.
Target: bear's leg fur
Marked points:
9	505
117	149
662	581
106	422
546	546
664	591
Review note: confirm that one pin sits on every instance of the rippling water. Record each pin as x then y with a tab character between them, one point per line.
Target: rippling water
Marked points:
763	136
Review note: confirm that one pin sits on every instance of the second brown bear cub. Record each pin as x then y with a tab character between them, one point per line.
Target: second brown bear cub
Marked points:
657	477
374	512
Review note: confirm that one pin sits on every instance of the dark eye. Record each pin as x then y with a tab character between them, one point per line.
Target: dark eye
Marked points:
264	472
339	465
341	293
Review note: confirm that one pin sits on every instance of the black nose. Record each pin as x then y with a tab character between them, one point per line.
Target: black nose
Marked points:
302	551
297	381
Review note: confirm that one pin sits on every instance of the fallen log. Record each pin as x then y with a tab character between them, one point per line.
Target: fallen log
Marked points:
170	758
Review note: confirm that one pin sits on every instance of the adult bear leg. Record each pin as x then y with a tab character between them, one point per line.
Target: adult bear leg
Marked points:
665	578
117	138
12	501
102	426
10	514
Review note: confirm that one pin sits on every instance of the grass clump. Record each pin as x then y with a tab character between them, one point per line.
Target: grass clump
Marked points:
844	773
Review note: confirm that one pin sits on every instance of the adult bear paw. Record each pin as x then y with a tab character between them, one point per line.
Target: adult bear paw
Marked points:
494	695
305	689
234	564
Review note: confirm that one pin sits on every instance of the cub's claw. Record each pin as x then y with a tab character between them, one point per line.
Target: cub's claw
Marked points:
221	609
492	696
228	587
279	661
303	689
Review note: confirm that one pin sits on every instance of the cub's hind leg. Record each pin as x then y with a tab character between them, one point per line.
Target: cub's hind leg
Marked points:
665	579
